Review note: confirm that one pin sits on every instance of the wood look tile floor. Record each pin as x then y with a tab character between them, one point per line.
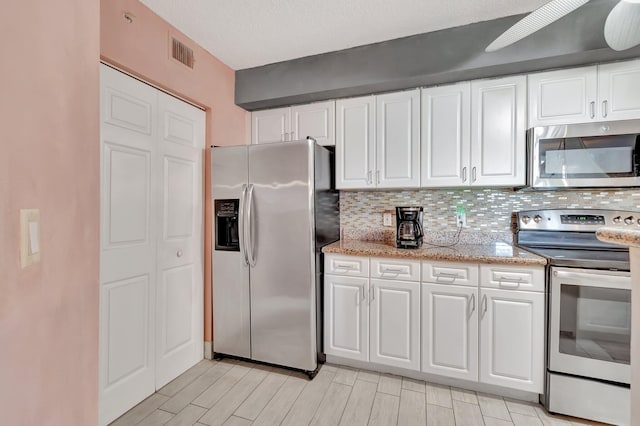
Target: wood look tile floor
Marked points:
236	393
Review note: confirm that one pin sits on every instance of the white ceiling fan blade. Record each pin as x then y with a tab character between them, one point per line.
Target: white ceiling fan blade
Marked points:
535	21
622	28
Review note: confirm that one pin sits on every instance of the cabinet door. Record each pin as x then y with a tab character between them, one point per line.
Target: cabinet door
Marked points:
498	141
619	91
355	142
563	96
271	125
446	135
346	317
395	323
316	120
450	331
398	140
512	339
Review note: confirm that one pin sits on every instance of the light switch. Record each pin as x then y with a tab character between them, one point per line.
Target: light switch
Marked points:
29	237
387	219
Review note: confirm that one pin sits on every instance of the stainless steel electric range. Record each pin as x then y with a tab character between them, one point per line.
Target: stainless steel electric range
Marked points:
588	310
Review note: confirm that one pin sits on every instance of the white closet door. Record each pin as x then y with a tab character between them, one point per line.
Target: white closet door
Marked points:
179	319
128	129
151	273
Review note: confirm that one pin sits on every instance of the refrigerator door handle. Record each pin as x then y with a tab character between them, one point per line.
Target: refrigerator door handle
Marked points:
241	228
248	230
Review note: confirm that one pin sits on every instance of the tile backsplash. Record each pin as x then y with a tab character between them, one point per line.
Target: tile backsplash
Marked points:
488	209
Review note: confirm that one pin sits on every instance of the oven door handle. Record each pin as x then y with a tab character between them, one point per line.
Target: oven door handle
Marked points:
596	279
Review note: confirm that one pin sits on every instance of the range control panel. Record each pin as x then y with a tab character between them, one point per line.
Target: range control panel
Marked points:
585	219
573	220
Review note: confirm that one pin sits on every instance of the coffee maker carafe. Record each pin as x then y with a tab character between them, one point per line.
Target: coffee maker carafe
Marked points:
409	227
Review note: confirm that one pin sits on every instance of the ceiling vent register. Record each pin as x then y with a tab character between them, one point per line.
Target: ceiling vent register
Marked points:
182	53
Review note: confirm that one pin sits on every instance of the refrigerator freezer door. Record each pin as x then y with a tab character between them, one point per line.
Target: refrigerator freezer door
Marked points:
231	306
283	299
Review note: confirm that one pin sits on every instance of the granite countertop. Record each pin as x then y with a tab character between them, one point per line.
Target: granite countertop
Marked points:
624	235
496	252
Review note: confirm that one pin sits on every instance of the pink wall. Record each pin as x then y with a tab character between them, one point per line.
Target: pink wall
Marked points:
141	48
49	160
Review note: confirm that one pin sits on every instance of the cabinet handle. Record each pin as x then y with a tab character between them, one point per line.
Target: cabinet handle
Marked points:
473	174
604	108
373	293
484	302
473	302
369	181
378	177
464	174
593	108
391	270
509	282
345	266
447	275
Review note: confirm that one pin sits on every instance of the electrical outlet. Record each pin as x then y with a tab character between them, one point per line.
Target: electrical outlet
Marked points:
461	217
387	219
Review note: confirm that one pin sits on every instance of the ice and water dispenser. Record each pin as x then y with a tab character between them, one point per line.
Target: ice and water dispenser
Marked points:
227	225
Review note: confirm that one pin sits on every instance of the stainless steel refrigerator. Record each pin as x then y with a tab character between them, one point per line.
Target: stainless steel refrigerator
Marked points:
274	208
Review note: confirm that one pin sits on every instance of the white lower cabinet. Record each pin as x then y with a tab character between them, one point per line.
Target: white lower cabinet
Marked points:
395	323
512	339
346	317
481	323
450	331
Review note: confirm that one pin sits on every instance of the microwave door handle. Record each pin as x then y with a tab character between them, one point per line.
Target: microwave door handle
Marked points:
249	228
242	225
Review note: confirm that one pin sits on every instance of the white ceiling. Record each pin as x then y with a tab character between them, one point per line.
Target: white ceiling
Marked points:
249	33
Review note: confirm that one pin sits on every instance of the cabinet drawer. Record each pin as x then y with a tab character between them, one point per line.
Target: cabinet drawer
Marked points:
450	273
395	269
353	266
512	277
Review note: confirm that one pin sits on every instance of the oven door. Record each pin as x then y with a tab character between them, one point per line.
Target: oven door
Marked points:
590	323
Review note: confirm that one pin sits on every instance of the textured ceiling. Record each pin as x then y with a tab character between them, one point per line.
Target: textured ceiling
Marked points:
249	33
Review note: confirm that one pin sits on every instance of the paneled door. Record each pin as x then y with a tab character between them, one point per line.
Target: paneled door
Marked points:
450	331
179	319
395	323
128	129
346	317
270	125
355	142
512	339
150	205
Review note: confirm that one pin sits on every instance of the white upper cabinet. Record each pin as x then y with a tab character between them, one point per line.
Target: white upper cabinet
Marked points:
563	96
378	141
398	140
355	142
619	91
316	120
498	127
474	133
446	135
579	95
271	125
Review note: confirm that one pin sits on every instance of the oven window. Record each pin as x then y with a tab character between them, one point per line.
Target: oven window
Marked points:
595	323
589	157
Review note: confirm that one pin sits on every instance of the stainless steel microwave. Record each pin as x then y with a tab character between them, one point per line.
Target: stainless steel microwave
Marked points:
605	154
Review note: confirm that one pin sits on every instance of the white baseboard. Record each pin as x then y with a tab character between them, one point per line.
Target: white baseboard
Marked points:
432	378
208	350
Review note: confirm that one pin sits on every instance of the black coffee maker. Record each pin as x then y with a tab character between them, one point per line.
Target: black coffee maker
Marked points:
409	227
